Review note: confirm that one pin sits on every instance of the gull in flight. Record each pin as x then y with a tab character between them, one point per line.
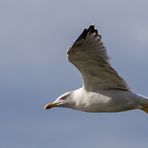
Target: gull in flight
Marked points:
103	89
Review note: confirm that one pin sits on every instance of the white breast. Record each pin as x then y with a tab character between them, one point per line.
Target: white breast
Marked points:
90	101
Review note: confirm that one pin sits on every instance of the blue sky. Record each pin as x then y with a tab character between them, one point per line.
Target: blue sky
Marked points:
34	37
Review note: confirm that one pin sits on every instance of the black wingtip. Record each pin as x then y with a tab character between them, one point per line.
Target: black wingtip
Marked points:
85	32
92	29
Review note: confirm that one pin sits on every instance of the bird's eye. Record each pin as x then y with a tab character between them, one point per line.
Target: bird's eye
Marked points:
63	98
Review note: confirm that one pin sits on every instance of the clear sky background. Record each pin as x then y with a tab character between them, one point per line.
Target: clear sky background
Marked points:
34	37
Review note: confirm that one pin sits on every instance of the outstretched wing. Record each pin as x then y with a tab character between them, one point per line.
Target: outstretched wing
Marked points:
89	55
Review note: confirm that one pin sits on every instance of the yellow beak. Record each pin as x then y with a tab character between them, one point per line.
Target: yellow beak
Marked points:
50	105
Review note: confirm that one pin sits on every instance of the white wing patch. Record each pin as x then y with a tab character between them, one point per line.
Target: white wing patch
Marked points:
89	55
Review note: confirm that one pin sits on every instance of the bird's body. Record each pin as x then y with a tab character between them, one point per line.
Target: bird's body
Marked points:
103	89
106	100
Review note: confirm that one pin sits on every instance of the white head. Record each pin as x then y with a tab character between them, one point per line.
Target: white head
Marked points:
64	100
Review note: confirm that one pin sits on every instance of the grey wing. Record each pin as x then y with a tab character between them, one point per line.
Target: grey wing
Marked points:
89	55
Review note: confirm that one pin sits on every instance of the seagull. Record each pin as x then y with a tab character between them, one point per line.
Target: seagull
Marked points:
103	89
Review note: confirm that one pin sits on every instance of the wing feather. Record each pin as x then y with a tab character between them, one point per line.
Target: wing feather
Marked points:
89	55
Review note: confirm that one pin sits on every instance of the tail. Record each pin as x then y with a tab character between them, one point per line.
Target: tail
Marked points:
144	106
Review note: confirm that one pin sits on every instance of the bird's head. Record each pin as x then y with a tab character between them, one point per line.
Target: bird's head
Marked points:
64	100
